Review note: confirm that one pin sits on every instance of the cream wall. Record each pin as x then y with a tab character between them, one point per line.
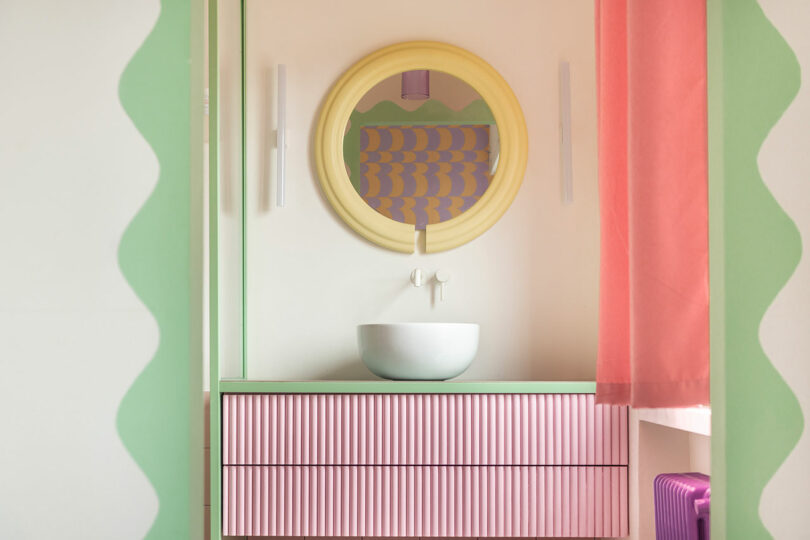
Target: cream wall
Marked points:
74	171
531	281
663	441
447	89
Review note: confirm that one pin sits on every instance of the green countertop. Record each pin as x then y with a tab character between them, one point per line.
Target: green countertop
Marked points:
231	386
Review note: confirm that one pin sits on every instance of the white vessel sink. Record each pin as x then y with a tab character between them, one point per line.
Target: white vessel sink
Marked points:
418	351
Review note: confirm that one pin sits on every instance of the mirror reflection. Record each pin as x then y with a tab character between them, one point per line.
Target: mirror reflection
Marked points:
421	147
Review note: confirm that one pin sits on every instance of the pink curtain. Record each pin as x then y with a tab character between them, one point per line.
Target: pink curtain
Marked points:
654	297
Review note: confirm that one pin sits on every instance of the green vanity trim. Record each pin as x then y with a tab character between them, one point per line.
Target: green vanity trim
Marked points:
234	386
388	113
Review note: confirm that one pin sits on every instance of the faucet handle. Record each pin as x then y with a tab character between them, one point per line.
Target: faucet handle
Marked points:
417	277
442	277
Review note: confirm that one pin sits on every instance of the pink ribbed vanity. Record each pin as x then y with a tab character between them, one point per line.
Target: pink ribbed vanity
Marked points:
423	464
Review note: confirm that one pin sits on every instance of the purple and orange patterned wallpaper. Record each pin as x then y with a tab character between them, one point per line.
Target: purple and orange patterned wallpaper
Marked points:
423	174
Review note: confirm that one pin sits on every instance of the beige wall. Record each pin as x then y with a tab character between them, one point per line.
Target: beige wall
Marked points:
663	441
74	171
449	90
531	281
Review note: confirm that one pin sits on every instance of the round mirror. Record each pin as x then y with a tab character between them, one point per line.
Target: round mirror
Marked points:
421	147
421	135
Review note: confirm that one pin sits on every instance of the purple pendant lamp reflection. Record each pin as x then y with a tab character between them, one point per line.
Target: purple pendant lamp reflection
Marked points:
416	84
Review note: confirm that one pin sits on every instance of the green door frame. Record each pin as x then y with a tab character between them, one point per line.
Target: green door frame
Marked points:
714	65
214	286
215	471
716	259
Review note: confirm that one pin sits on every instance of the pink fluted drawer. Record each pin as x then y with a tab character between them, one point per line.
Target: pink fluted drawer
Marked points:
422	429
402	501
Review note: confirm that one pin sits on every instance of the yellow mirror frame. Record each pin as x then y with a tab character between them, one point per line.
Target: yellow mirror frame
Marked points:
389	61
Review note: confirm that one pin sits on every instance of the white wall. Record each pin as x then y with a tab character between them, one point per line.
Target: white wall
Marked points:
73	335
663	441
531	281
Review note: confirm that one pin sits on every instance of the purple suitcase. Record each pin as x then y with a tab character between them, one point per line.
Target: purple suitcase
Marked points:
682	506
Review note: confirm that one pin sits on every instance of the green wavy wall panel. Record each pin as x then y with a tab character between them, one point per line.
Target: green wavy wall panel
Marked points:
153	419
762	248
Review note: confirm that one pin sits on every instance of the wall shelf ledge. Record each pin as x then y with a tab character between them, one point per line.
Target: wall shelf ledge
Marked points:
692	419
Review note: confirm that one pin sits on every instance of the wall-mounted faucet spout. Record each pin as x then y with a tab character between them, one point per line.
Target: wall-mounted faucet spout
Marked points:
442	277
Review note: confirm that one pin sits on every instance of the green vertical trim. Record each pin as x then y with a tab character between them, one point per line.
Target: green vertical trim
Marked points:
243	16
714	18
196	267
762	248
215	465
154	417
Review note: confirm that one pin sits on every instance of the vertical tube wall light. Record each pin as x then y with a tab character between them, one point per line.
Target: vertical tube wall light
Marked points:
566	169
281	133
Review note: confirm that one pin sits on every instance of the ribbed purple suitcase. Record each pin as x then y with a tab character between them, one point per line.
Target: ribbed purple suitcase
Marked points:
682	506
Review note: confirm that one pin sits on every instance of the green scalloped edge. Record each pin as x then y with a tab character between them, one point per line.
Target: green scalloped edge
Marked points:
154	419
760	248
